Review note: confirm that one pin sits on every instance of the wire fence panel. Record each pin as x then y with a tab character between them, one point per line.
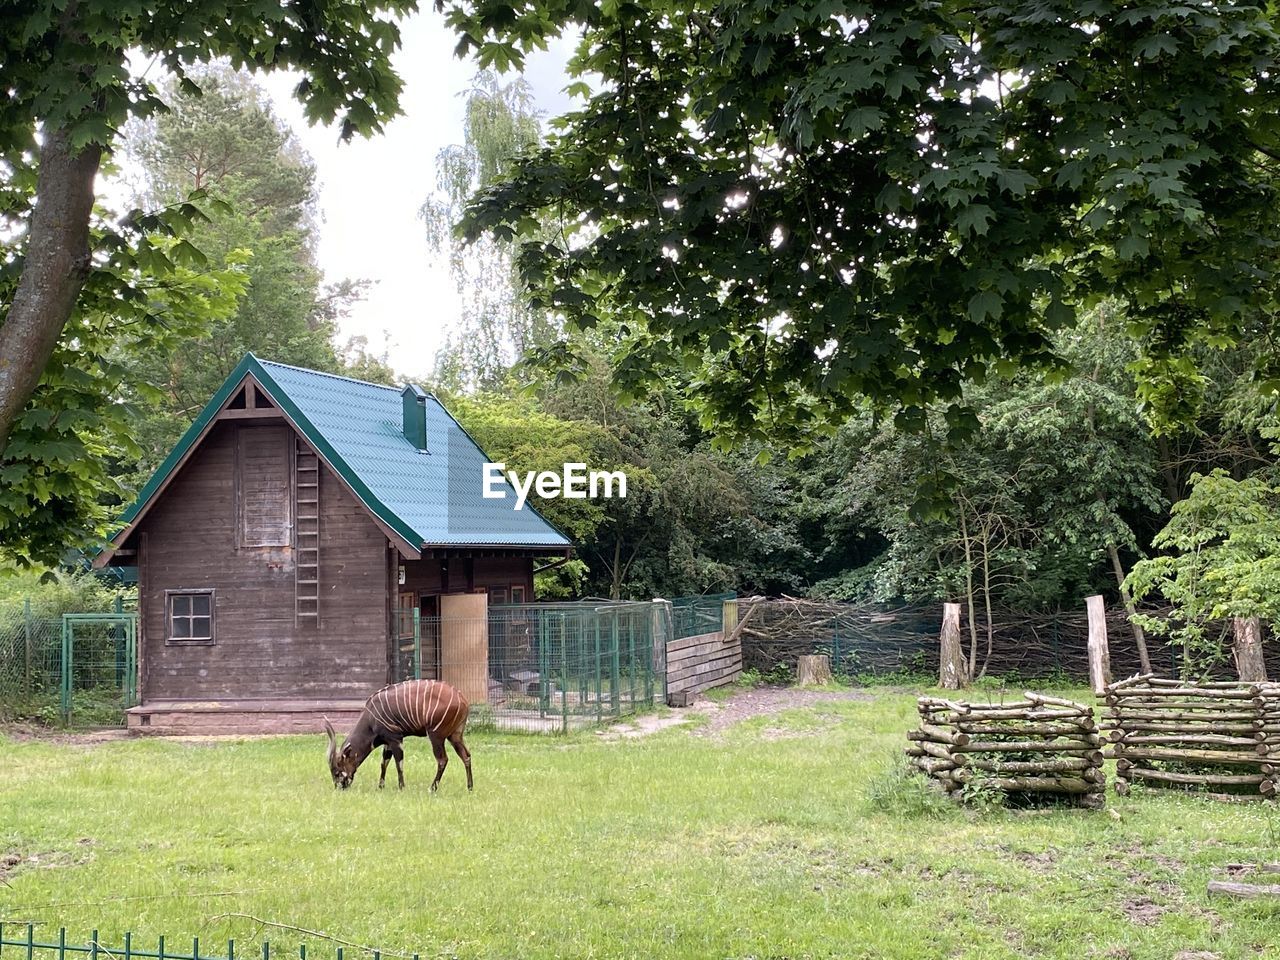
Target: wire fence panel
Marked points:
30	666
694	616
99	676
78	668
543	667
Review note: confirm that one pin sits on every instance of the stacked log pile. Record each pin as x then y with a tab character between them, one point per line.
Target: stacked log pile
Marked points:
1218	737
1035	749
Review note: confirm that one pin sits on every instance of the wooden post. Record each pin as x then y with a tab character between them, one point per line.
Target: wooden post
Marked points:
951	669
1099	652
1247	649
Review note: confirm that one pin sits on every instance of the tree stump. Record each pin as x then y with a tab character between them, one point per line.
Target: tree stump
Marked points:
813	671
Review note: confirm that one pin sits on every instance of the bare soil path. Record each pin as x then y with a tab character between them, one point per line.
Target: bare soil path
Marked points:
763	701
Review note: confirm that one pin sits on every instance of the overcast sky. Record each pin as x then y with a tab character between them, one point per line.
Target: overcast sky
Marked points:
370	190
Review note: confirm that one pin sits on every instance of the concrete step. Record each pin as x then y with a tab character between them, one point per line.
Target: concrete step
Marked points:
214	718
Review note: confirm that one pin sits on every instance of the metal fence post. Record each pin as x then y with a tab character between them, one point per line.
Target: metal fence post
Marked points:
599	705
135	675
118	635
65	685
631	654
615	671
544	666
564	678
417	643
648	659
26	631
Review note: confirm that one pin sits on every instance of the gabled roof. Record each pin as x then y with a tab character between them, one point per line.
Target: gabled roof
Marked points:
430	499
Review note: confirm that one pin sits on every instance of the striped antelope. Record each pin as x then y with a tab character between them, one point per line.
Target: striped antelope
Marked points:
414	708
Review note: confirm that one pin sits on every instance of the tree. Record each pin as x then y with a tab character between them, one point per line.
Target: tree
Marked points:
228	144
667	536
496	326
1041	499
1222	562
814	203
68	90
63	472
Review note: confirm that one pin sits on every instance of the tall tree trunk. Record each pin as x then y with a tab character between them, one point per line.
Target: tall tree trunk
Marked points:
951	668
1139	637
55	265
615	589
986	602
968	593
1247	648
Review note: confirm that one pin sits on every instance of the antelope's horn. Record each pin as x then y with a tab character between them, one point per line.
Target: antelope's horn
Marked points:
333	742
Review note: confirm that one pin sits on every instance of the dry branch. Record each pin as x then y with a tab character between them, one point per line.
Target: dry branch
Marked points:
310	933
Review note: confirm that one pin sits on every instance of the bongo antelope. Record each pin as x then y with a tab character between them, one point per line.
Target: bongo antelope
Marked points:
414	708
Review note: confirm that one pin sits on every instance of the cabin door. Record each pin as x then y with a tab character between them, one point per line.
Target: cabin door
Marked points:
464	644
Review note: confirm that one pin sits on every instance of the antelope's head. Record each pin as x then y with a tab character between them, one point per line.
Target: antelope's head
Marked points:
342	763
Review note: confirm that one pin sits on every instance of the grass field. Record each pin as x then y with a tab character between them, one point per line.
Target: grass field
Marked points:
781	836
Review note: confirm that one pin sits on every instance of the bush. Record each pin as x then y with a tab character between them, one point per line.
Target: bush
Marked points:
55	592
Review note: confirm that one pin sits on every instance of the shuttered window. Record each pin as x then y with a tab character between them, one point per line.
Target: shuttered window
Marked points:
190	616
265	500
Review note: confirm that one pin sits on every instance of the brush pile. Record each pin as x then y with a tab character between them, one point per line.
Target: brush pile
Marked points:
1034	750
1219	737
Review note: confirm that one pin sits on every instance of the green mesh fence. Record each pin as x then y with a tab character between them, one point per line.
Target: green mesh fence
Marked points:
547	667
78	668
30	666
694	616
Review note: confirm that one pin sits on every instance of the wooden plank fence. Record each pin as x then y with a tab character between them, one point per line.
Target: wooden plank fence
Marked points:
699	663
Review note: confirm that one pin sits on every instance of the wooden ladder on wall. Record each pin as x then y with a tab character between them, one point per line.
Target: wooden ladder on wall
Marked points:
306	534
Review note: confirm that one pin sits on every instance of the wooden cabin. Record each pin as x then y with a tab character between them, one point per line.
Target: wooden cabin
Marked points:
285	540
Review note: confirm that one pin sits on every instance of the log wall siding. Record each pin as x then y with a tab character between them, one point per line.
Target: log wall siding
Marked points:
259	650
702	662
426	577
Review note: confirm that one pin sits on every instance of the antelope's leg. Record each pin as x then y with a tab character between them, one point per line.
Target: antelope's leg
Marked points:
463	753
442	760
399	755
386	758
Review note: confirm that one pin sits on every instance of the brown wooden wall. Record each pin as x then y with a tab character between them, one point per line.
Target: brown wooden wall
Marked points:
189	540
425	577
702	662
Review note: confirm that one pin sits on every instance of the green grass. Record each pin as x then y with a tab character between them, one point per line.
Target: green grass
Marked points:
791	837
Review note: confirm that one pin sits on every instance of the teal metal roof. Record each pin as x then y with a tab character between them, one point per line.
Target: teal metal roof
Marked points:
430	498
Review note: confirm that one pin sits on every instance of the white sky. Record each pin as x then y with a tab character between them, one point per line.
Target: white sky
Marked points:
370	190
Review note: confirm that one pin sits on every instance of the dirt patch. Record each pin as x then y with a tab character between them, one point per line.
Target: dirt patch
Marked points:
764	701
12	861
1143	911
642	726
27	732
1042	861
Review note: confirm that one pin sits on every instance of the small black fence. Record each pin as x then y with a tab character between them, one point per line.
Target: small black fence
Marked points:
27	947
